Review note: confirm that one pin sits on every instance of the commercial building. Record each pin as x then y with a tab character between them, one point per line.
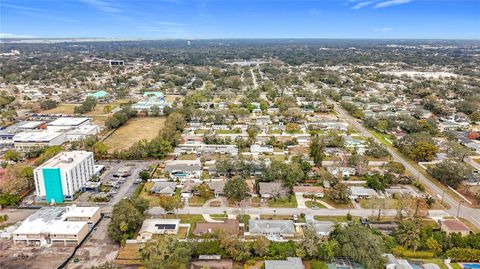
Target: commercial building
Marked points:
67	123
57	224
63	175
30	140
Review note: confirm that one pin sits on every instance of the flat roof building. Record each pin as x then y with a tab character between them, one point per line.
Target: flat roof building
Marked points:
56	224
30	140
63	175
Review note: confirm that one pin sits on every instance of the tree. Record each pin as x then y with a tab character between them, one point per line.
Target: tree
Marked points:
376	150
100	149
418	146
12	155
433	245
236	190
450	172
317	151
359	244
260	246
144	175
292	128
424	151
48	104
338	191
378	182
107	109
458	151
309	243
127	215
169	203
394	167
408	234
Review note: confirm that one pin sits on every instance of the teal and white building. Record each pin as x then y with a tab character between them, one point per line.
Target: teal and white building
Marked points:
62	176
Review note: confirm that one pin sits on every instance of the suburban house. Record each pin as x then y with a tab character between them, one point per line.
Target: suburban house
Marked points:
454	226
323	228
230	226
268	190
216	186
271	228
211	262
164	188
289	263
184	168
362	193
152	227
341	171
309	190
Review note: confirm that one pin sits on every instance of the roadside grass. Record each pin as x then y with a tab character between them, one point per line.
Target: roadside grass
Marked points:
134	130
276	217
335	219
291	201
187	157
221	217
470	225
337	205
196	201
311	204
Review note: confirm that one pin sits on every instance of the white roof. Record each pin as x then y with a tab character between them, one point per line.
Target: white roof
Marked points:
67	227
66	159
84	129
36	136
30	124
68	121
81	211
150	225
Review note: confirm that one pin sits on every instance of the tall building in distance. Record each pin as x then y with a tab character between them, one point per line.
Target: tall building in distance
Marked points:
59	178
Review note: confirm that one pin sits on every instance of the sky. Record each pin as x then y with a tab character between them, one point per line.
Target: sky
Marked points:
202	19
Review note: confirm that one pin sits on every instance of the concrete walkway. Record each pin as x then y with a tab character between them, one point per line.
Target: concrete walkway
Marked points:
209	219
300	201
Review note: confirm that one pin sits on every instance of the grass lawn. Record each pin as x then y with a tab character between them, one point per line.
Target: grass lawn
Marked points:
388	203
334	218
129	253
184	218
153	200
196	201
187	157
287	202
438	262
133	131
221	217
226	132
311	204
276	217
455	266
337	205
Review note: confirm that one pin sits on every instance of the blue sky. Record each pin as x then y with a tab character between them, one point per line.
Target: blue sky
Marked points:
153	19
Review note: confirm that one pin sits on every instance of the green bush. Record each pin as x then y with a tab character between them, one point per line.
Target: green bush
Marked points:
463	254
418	254
318	265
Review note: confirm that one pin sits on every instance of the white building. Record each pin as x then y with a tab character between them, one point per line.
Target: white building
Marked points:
57	224
63	175
29	140
67	123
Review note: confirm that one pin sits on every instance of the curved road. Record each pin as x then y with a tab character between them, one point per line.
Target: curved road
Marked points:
471	214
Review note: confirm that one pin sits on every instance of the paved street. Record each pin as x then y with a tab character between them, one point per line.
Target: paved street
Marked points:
285	211
471	214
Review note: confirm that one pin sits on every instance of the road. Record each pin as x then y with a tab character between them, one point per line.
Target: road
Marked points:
471	214
155	211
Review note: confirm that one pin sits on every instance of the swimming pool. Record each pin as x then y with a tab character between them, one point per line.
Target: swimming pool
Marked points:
471	265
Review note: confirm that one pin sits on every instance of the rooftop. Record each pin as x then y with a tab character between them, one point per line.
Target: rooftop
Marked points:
36	136
66	160
70	121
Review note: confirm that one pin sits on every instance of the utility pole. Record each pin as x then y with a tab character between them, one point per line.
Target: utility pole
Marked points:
458	210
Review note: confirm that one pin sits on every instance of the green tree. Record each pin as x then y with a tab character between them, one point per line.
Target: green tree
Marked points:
12	155
236	190
450	172
317	151
359	244
408	234
127	215
100	149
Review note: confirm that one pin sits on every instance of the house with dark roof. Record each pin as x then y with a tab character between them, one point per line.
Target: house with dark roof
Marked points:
269	190
230	226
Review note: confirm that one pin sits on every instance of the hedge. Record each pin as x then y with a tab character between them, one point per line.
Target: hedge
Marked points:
464	254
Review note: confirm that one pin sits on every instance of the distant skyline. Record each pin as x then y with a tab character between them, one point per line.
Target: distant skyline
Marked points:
189	19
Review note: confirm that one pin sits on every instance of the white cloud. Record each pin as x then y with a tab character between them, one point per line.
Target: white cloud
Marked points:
361	5
104	6
10	35
384	29
315	11
391	3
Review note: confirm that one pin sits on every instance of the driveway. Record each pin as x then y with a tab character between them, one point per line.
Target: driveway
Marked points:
300	201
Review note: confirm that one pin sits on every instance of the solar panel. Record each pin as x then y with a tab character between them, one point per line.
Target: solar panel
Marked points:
166	226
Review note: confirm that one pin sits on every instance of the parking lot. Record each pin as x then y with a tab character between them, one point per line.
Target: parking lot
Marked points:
119	180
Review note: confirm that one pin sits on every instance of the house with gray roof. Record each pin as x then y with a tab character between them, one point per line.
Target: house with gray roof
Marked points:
268	190
271	228
289	263
164	188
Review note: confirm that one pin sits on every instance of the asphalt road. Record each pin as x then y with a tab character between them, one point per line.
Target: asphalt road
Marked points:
471	214
155	211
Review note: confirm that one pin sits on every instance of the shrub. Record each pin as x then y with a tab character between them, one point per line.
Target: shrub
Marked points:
464	254
318	265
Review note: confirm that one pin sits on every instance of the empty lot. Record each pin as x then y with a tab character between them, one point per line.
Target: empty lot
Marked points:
133	131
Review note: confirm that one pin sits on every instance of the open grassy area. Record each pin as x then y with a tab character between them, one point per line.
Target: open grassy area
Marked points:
311	204
187	157
334	218
129	255
196	201
287	202
387	203
133	131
